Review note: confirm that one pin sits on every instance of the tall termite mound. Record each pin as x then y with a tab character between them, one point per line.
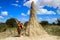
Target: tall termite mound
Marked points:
33	27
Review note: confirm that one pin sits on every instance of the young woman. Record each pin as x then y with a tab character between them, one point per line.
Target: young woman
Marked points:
19	28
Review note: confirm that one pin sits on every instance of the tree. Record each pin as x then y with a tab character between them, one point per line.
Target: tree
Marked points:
58	21
44	23
3	27
53	23
11	22
25	24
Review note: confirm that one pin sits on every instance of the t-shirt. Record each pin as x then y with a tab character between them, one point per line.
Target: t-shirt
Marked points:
19	25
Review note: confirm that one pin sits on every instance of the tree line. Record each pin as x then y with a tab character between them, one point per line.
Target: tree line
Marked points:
11	23
53	23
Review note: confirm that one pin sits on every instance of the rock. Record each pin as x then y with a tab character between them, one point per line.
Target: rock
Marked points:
33	27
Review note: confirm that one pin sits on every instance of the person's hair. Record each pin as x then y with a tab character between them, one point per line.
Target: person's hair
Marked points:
18	21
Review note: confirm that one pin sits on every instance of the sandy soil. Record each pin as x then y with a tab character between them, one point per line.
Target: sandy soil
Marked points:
41	37
44	37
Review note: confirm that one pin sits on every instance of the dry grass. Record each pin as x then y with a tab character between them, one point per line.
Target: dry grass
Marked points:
9	32
45	37
51	29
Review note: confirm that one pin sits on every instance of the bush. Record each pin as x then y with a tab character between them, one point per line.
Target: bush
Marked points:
11	22
58	21
3	27
25	24
52	29
43	23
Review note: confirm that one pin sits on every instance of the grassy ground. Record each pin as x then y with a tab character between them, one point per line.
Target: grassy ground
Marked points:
51	29
8	32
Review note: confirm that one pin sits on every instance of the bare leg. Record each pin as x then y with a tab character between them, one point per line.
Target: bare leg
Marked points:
19	32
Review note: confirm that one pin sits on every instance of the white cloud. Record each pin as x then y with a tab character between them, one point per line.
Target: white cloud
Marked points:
4	13
23	20
24	0
28	13
45	11
58	11
17	1
17	5
42	11
53	20
51	12
34	0
50	3
40	19
1	17
50	20
23	14
28	3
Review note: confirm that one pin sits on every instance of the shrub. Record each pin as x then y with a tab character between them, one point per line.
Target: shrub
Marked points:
11	22
3	27
43	23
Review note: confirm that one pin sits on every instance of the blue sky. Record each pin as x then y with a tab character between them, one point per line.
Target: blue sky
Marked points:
20	9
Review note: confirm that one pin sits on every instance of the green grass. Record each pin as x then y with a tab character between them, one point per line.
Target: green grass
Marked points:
52	29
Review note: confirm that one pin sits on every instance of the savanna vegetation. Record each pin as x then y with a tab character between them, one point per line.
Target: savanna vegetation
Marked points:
10	27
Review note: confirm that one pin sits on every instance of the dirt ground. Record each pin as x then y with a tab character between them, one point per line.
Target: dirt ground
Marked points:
44	37
8	35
